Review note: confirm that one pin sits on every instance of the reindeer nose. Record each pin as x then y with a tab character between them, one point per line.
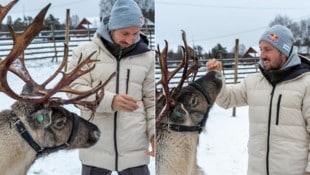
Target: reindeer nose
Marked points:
95	135
178	114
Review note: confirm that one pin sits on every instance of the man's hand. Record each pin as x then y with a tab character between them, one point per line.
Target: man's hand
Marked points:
123	102
153	145
214	65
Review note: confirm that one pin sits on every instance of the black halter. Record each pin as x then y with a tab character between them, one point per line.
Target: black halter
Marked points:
199	128
45	150
181	128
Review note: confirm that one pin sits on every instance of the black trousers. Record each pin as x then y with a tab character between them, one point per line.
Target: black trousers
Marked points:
90	170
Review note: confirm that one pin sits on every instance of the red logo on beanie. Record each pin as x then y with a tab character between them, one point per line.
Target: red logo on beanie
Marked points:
273	37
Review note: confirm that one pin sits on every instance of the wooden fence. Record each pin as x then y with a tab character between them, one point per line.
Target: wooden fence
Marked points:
50	45
245	66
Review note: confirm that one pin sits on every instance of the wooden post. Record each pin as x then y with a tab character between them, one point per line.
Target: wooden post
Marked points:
236	70
88	32
67	34
221	58
54	42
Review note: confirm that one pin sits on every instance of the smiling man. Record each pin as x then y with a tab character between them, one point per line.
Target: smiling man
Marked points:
126	114
279	106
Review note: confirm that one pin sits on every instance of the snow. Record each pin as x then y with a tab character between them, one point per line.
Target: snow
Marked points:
222	148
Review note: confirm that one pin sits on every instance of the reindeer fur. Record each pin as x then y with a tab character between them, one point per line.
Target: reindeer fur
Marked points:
16	154
177	151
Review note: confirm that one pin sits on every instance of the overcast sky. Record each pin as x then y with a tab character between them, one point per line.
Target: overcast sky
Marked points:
208	22
82	8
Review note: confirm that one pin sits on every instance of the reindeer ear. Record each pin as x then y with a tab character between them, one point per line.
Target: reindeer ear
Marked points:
42	118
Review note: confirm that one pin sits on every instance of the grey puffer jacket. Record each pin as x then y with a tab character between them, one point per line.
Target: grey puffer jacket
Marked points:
125	136
279	118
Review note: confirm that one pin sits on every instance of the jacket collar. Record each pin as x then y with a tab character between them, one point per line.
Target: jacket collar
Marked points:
290	72
118	52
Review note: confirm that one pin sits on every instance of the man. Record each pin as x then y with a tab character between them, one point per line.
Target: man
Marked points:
279	106
126	115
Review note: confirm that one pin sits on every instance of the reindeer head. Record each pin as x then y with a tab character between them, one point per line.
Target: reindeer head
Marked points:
194	101
54	128
185	108
38	114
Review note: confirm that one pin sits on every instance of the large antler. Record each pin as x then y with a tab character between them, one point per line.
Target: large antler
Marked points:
166	75
5	9
15	63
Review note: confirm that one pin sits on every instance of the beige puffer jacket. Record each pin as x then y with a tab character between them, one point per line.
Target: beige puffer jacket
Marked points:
125	136
279	121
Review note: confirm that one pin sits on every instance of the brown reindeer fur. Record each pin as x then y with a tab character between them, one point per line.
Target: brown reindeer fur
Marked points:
17	156
176	151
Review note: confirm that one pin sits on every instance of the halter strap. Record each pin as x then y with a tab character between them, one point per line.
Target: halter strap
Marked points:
184	128
181	128
45	150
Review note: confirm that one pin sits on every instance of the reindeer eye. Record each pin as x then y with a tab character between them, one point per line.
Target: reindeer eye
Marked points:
194	100
40	118
59	124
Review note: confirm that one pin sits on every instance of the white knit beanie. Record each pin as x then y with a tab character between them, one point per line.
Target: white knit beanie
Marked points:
125	13
280	37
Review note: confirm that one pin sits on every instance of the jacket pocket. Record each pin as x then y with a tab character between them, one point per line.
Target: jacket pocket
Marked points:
278	109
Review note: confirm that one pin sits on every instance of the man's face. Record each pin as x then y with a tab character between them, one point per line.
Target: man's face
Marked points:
125	36
271	57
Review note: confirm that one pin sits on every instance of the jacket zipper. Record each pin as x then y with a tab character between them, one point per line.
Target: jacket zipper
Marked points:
278	109
268	133
127	80
115	114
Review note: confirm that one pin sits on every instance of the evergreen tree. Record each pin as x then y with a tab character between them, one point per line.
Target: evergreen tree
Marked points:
18	24
51	21
219	51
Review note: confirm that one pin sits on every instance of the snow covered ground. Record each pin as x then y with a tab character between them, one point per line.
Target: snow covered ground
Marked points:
222	149
64	163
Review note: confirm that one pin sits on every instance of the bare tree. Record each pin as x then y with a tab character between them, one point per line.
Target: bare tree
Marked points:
75	20
105	7
300	30
242	49
289	23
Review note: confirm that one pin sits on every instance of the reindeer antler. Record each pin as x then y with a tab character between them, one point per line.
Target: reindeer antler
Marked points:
15	63
165	79
167	75
193	69
5	9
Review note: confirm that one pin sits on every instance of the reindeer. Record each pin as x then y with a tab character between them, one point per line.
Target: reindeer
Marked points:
37	123
182	113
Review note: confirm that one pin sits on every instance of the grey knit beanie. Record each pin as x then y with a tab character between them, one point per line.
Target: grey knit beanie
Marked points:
280	37
125	13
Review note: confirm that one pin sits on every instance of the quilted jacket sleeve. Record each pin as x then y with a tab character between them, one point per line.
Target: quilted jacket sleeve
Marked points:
149	100
306	114
232	95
